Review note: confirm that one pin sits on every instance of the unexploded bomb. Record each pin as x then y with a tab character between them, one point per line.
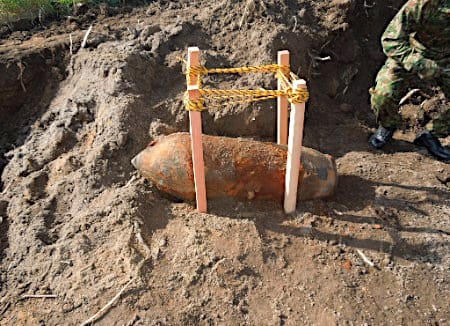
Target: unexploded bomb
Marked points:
234	167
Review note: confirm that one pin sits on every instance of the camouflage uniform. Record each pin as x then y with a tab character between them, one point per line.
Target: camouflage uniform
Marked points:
417	43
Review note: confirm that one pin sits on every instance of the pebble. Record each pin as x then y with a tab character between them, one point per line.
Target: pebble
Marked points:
67	307
163	242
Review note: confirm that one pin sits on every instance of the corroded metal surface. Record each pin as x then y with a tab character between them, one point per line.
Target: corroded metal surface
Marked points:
234	167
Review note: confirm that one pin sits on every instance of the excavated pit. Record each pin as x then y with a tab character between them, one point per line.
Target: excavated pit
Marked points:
78	222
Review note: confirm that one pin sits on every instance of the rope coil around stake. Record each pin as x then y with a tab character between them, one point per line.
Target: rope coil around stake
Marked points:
238	96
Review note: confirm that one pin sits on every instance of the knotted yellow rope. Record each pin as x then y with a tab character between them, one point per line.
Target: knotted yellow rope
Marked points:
236	96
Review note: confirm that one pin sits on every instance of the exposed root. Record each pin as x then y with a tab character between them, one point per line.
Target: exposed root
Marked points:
250	6
365	259
70	44
106	307
244	15
20	77
44	296
368	6
85	38
295	24
408	95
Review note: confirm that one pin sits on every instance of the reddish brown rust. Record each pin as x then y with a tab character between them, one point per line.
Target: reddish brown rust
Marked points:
234	167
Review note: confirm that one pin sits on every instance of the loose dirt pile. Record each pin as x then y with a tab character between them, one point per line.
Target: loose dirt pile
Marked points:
79	223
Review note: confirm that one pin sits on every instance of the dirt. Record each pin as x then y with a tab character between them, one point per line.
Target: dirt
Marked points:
79	223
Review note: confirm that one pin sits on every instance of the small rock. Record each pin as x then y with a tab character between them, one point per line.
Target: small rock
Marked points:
347	265
386	260
121	139
67	307
163	242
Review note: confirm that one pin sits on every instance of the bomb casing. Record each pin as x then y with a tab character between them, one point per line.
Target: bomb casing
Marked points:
234	167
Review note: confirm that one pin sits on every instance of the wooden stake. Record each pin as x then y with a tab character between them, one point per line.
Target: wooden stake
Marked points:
282	104
294	151
195	126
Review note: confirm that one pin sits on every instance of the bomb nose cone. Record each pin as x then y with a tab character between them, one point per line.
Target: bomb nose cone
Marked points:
134	161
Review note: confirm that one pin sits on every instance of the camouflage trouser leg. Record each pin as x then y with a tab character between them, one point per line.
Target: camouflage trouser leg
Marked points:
440	126
391	83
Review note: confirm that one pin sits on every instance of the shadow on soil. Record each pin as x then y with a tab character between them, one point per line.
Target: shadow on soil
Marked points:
357	194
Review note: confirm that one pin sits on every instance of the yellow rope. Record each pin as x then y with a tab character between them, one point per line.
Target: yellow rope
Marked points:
236	96
273	68
193	105
243	70
239	92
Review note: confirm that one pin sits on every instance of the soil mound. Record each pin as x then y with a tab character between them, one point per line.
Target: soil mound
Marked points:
79	223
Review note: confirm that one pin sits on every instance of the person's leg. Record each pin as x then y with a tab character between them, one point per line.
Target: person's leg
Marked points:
385	96
437	127
390	86
440	126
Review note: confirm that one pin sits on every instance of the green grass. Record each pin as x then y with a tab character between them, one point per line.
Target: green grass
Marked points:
13	10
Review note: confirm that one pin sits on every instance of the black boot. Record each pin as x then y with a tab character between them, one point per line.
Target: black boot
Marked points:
433	145
381	136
